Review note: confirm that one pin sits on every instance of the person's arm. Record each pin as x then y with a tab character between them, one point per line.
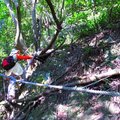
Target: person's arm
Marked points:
23	57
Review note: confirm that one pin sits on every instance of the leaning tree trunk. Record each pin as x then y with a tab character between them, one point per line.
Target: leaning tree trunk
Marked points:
19	42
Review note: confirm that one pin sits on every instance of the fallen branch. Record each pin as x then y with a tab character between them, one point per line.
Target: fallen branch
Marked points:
95	82
93	77
82	80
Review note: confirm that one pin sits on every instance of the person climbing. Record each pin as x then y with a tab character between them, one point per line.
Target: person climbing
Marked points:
16	69
13	68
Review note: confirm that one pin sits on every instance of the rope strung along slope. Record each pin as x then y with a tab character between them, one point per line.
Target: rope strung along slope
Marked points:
78	89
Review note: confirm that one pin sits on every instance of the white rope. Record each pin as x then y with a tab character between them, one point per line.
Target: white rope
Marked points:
78	89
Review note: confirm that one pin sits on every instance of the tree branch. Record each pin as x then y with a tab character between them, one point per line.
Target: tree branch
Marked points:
91	78
62	8
51	42
59	27
54	14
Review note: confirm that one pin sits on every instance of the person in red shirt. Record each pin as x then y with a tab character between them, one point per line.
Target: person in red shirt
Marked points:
16	71
18	56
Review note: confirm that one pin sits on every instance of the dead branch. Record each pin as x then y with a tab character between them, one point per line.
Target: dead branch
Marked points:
32	103
110	72
82	80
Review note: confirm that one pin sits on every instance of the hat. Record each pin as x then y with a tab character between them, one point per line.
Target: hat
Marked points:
17	70
14	51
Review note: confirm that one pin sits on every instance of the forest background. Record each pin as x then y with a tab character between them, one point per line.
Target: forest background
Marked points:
79	44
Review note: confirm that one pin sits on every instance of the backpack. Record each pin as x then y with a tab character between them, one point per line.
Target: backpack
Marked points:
8	63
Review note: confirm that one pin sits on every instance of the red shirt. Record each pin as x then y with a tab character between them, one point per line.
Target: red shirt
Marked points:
23	57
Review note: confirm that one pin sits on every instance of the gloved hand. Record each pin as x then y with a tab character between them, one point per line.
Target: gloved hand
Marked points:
36	57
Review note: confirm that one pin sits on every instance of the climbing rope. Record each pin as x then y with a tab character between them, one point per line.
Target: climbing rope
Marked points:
77	89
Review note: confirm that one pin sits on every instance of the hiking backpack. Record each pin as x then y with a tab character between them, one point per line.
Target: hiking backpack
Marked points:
8	63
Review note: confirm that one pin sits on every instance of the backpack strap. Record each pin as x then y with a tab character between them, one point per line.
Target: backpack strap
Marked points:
15	57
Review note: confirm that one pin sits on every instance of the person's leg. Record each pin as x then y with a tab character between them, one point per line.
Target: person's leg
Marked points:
11	90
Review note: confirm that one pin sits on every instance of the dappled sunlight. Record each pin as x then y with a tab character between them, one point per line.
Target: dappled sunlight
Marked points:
113	108
74	71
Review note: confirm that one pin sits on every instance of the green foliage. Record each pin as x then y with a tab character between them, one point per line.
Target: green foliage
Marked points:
80	19
6	30
92	17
